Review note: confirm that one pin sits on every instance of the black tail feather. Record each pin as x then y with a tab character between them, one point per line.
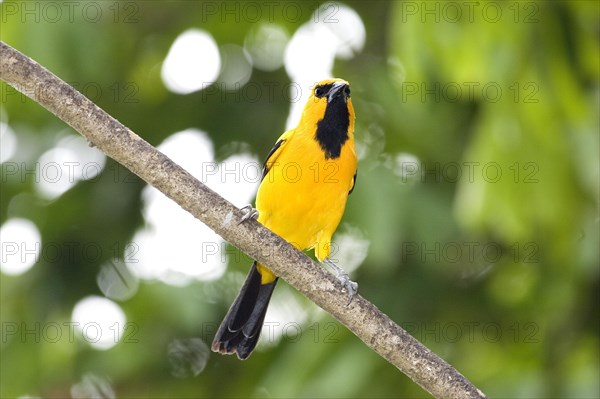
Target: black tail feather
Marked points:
241	327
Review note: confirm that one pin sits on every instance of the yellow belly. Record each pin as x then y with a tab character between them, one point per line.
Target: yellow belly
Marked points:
301	211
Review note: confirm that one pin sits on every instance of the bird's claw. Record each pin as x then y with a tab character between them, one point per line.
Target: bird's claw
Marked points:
249	213
350	286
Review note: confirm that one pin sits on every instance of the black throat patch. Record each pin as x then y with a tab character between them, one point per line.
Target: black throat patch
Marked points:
332	130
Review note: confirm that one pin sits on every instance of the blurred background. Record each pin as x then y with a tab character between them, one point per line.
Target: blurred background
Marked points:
474	223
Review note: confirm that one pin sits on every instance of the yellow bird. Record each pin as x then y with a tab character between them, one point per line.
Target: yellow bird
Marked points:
306	180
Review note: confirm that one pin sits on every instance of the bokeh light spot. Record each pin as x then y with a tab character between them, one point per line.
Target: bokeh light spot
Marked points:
192	63
188	357
236	69
266	46
100	321
116	281
20	243
9	142
93	387
61	167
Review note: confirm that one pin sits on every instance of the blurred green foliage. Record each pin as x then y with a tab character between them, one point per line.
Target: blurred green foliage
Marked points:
478	190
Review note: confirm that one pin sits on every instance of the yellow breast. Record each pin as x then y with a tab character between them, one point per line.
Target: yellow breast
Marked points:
303	196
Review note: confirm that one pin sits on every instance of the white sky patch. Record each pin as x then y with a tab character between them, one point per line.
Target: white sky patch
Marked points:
174	247
266	46
20	246
100	321
192	63
8	141
61	167
334	30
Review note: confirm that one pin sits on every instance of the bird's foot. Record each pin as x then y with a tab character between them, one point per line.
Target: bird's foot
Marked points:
249	213
350	286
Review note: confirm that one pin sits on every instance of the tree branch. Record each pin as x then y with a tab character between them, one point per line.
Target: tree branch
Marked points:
369	324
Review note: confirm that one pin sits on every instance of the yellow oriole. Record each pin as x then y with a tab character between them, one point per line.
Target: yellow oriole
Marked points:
306	180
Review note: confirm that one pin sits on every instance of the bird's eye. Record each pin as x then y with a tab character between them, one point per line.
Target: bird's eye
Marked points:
347	91
319	91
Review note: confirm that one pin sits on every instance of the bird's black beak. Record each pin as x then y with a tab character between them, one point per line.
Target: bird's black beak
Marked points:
338	89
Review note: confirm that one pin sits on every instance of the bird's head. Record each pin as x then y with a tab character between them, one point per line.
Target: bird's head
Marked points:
328	93
330	90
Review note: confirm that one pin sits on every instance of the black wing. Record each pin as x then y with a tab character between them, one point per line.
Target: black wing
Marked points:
265	169
353	182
